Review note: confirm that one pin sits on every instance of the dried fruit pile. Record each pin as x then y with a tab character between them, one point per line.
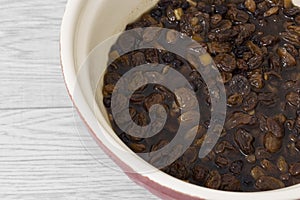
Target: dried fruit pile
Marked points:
255	45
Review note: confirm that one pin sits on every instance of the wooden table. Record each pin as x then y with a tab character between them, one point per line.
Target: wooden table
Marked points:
43	143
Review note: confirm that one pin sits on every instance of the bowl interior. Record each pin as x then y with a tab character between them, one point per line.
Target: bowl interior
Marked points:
97	21
96	24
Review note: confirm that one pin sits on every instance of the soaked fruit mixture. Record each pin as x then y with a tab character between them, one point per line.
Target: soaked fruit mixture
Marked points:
255	45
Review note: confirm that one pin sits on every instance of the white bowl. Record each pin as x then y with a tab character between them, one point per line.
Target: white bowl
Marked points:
87	23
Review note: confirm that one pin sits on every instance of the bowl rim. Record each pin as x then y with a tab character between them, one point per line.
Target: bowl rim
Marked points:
172	188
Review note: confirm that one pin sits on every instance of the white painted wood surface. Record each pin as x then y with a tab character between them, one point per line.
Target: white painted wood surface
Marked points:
43	145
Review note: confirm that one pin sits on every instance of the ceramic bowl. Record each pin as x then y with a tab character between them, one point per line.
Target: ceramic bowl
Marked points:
87	23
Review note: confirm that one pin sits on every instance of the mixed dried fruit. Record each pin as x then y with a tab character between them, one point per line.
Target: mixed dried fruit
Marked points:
255	45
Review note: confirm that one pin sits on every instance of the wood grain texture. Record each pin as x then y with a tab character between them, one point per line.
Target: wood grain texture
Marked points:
45	150
30	74
44	154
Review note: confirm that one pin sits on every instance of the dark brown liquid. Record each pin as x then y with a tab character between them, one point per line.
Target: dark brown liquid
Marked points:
258	55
